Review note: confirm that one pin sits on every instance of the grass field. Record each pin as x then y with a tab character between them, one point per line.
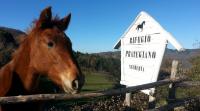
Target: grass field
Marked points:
95	81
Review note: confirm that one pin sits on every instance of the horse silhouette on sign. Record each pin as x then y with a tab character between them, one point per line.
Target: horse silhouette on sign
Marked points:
140	26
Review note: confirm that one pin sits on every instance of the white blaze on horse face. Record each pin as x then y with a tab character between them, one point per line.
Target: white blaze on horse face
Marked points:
66	83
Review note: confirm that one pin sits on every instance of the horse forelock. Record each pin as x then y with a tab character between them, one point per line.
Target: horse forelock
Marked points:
36	24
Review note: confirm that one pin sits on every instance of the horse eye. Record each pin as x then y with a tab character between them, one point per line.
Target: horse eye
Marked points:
50	44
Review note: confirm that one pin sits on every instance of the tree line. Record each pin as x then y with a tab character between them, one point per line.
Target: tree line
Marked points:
95	62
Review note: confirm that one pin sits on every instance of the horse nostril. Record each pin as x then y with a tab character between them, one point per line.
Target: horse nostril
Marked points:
75	84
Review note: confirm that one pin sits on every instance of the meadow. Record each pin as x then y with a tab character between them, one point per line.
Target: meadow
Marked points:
96	81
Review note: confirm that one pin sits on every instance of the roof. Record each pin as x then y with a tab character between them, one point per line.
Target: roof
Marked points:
143	16
118	44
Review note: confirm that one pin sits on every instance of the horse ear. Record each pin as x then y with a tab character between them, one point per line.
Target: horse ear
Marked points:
63	23
45	18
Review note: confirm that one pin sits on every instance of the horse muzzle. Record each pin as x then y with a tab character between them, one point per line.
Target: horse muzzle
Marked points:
74	86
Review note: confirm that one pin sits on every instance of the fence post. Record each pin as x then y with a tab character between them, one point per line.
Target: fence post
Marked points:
127	101
152	101
172	88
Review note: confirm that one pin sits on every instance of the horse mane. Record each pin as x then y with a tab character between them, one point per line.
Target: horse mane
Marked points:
35	26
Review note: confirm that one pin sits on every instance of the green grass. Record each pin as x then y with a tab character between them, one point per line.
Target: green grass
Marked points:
96	81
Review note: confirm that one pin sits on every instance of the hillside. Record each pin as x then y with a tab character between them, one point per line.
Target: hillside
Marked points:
9	41
100	62
16	34
171	54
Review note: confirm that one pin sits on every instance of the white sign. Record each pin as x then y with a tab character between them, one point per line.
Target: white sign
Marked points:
142	50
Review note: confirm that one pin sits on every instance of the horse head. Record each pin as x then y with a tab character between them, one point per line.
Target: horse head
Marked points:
51	52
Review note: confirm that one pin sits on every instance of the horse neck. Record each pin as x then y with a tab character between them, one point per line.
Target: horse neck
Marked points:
21	57
22	63
143	23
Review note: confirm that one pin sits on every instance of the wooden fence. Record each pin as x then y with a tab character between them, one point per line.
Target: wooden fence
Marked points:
172	102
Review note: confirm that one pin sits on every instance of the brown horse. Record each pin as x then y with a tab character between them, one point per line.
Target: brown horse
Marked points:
45	51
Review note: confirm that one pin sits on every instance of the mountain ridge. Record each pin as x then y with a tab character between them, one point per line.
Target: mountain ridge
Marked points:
172	54
184	57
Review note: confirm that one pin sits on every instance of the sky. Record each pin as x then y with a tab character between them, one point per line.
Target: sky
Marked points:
96	25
